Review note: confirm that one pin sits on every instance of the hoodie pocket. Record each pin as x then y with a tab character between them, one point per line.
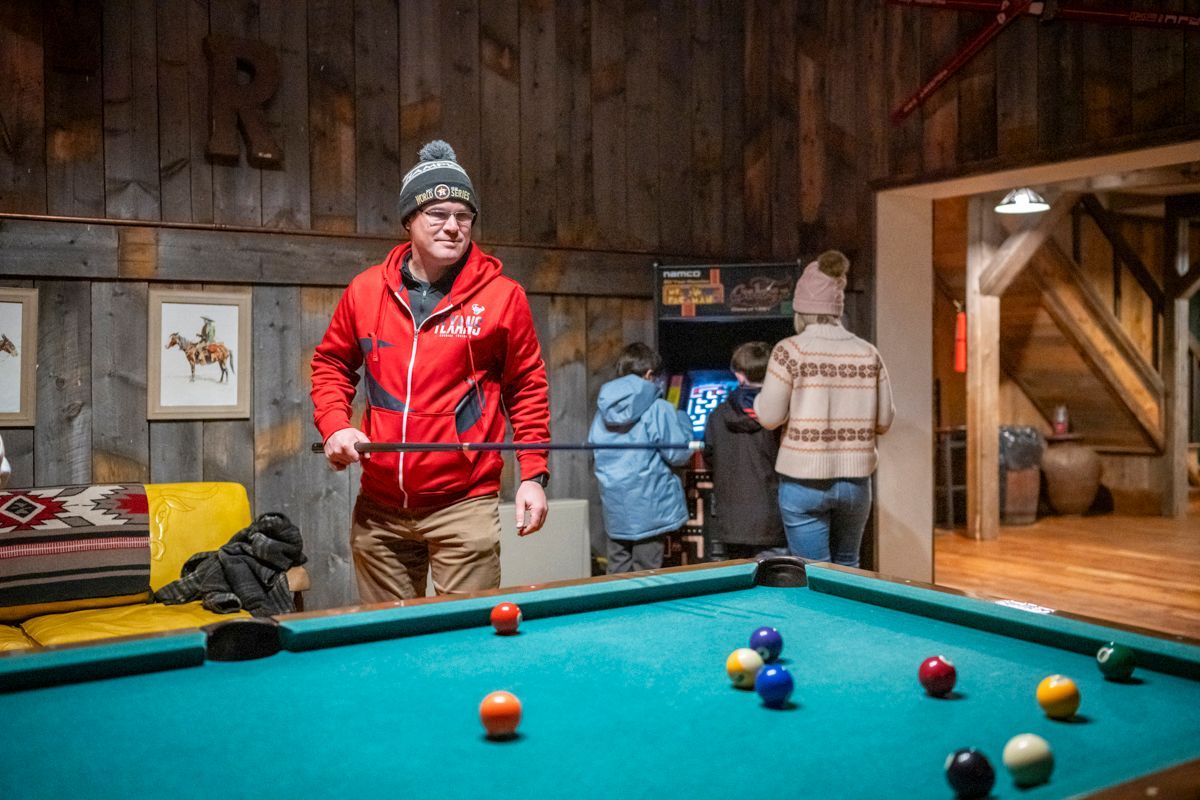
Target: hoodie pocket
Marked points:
439	472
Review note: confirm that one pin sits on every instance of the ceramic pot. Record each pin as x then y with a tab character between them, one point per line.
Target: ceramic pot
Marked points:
1072	471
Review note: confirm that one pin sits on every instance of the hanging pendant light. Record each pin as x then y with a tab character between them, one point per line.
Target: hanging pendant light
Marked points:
1022	201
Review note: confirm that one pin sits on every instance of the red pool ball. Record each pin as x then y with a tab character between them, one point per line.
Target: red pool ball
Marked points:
937	675
506	618
500	713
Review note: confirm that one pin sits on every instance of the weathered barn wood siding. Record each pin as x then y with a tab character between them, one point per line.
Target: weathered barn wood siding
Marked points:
602	135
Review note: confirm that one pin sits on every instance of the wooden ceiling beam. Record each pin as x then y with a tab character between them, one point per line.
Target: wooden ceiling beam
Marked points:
1158	182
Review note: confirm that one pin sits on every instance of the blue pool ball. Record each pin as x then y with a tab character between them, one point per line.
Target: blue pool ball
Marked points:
767	642
774	685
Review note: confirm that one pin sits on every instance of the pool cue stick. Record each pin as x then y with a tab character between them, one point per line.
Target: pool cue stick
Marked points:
442	447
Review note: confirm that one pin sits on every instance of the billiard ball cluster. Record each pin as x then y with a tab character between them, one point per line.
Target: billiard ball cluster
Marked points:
1027	756
753	667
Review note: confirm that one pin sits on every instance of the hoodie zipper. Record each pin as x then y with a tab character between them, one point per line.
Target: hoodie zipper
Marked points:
412	360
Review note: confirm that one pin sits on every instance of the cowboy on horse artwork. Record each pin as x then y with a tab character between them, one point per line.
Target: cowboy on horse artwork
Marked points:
7	346
201	353
208	332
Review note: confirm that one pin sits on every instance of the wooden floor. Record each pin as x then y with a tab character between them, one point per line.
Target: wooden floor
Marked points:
1141	571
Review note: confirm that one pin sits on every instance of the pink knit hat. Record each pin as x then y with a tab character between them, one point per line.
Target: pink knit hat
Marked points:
817	293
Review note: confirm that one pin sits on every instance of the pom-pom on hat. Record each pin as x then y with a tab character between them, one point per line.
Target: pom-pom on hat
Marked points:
822	286
437	176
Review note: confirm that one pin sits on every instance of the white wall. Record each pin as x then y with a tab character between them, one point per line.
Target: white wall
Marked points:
560	551
904	336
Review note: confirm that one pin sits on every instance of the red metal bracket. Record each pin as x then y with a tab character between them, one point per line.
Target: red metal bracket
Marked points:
1008	11
1005	12
1048	11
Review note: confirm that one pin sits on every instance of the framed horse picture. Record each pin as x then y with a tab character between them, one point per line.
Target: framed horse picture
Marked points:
199	361
18	356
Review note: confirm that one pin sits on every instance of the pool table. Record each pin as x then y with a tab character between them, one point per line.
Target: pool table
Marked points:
624	691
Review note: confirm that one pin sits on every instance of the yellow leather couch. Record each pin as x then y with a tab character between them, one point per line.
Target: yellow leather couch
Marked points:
185	518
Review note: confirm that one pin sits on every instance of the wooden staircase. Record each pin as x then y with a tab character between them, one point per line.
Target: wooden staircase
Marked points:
1062	310
1063	346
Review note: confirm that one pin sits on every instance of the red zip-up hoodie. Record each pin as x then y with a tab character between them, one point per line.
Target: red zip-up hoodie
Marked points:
451	380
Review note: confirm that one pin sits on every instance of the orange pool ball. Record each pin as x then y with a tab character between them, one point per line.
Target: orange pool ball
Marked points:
506	618
500	713
1058	696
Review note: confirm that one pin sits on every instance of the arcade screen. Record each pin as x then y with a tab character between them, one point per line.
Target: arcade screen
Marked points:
705	390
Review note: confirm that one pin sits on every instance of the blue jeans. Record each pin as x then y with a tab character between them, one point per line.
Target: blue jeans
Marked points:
824	519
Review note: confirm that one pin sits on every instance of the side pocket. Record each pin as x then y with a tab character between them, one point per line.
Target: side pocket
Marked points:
469	409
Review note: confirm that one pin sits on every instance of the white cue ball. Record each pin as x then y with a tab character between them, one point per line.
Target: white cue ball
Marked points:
1029	758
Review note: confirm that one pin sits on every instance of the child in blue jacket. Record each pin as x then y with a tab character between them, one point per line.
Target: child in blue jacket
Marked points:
642	499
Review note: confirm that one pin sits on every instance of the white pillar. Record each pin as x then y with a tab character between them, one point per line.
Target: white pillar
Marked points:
904	336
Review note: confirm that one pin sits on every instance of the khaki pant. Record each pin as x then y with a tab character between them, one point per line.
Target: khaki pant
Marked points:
394	549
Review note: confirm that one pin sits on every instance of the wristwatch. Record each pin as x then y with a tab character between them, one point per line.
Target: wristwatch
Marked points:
541	479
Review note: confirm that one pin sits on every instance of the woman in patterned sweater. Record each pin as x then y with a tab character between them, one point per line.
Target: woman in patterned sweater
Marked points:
831	389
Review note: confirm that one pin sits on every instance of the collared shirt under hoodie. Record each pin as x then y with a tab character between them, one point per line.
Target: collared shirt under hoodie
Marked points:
424	296
451	377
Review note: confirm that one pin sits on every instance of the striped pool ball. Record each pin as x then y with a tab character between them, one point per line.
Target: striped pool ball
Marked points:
742	665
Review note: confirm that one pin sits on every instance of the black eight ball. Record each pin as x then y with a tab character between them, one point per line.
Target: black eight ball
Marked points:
970	773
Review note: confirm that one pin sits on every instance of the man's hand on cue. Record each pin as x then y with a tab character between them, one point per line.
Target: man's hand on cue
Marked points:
339	448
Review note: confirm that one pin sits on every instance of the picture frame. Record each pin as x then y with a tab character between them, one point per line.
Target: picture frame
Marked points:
199	359
18	356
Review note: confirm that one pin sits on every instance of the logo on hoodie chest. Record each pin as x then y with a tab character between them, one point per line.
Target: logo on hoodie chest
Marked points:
465	324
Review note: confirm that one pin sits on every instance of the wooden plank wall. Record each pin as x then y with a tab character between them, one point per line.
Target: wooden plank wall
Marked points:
602	135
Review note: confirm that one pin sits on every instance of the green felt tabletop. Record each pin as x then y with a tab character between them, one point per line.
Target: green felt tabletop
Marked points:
623	698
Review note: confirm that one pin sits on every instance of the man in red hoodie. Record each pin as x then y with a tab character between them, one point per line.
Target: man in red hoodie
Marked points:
447	347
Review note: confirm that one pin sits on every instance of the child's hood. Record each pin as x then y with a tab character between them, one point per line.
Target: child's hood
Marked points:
624	400
740	418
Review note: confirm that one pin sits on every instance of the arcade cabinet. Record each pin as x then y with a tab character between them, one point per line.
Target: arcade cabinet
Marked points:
703	313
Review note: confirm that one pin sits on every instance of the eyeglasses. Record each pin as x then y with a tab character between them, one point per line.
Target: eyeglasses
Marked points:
439	216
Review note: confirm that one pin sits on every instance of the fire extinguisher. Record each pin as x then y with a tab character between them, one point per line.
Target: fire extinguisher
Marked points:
960	338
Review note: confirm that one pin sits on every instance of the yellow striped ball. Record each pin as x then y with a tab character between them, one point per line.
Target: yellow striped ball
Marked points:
742	665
